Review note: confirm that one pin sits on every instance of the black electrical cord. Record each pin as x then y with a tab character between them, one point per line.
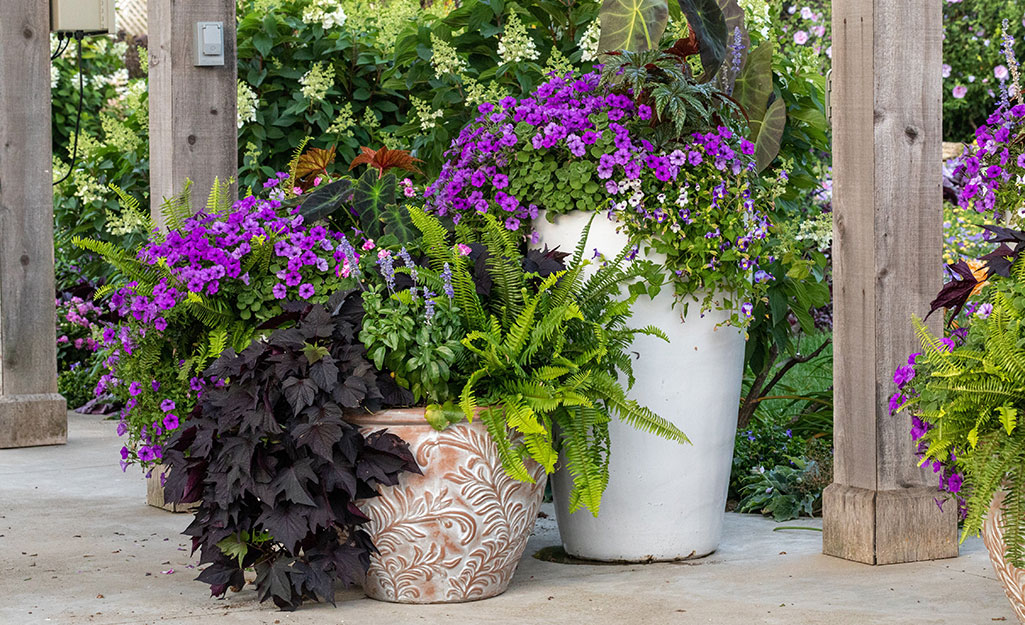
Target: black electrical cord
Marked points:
81	97
62	46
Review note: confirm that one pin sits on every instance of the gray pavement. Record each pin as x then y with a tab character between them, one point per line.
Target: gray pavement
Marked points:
78	545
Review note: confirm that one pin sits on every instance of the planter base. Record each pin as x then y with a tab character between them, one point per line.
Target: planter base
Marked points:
873	526
155	493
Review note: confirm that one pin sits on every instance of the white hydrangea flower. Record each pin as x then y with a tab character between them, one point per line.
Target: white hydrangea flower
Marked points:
757	14
317	81
589	42
328	13
516	45
818	229
428	118
444	58
55	76
344	122
247	103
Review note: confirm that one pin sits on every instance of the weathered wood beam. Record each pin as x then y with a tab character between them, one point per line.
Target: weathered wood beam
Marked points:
887	259
193	122
31	411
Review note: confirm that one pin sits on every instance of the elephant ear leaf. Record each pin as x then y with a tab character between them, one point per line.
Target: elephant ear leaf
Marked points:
707	21
754	85
371	196
325	200
379	214
770	135
395	221
634	25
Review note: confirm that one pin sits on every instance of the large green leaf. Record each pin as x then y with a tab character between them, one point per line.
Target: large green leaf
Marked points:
770	135
754	85
632	24
709	25
378	212
322	202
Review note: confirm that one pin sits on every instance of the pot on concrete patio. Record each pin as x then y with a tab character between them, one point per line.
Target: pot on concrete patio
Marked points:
1012	577
457	532
664	501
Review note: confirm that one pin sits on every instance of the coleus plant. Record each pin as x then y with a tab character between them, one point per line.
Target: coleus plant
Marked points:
276	467
631	34
373	203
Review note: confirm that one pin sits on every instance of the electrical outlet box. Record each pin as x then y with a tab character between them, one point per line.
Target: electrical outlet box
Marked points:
209	44
92	17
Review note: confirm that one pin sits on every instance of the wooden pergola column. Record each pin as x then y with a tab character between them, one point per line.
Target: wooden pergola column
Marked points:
192	110
31	411
887	247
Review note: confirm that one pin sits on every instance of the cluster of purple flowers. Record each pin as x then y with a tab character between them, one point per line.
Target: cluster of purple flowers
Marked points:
209	256
576	119
950	480
995	162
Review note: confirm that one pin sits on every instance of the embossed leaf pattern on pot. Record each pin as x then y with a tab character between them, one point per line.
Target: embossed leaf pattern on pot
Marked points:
457	532
1012	577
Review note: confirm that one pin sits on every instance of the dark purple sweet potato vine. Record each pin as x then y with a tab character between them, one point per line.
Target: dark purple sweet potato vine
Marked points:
277	468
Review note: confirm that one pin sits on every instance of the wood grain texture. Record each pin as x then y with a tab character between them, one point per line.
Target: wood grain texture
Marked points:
28	353
32	420
193	119
887	526
887	251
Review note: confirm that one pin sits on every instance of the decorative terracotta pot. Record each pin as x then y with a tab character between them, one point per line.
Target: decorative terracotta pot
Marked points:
1012	577
457	532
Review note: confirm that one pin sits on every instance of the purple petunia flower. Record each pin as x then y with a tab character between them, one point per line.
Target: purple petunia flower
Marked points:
306	291
903	375
167	405
170	422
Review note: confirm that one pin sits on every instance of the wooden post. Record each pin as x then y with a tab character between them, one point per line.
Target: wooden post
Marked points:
193	122
31	411
887	249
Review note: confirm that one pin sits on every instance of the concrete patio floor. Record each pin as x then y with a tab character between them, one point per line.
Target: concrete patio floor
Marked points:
78	545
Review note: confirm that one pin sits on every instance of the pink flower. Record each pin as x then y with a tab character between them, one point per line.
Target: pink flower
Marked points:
800	37
464	250
382	254
1000	72
807	13
368	245
960	91
297	190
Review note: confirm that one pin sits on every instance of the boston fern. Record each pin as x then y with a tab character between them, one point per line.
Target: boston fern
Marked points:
542	354
275	466
966	395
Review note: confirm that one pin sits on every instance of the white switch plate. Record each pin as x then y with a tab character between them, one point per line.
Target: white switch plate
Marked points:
209	44
89	16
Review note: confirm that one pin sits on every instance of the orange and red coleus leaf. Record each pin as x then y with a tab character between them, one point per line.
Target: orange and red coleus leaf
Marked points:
384	159
314	161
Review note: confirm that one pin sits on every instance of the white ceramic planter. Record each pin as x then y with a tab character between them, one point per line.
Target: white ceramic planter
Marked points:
665	501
